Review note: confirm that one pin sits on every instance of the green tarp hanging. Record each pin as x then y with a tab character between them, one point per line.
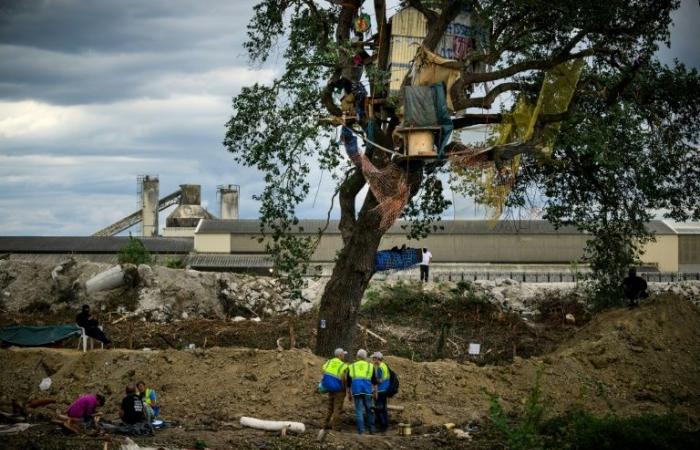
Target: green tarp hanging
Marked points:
26	336
426	106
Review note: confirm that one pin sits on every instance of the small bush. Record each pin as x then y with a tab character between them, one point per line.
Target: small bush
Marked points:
134	252
522	433
175	263
581	430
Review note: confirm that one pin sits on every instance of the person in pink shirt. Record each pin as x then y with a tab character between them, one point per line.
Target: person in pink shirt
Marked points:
83	409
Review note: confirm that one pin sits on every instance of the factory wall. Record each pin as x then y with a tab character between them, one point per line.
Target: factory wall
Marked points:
444	247
461	248
663	253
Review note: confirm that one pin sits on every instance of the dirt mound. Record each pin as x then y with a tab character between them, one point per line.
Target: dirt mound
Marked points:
627	362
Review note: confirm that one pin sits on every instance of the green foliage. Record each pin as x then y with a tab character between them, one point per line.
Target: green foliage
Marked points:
424	210
617	160
175	263
134	252
521	434
580	430
626	147
274	130
410	299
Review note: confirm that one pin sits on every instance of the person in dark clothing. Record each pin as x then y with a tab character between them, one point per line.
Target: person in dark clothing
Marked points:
425	265
635	288
132	410
92	327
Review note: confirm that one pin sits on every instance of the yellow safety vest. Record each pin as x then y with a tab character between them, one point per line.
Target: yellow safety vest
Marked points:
335	368
147	396
361	370
385	371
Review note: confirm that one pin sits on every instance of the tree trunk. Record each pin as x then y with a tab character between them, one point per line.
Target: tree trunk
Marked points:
353	270
340	303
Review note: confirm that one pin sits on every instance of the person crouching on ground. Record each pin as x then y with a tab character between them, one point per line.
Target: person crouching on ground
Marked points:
132	410
83	410
149	399
381	413
362	382
334	382
634	287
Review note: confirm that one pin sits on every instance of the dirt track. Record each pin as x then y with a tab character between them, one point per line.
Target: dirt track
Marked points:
626	362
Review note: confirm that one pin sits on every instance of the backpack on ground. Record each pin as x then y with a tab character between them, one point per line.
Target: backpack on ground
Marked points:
393	383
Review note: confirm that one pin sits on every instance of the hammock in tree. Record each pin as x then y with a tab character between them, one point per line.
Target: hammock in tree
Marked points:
396	259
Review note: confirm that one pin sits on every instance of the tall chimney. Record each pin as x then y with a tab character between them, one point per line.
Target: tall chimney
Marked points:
150	191
228	201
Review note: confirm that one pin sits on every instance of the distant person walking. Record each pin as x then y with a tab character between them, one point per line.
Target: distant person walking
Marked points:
425	264
92	327
634	287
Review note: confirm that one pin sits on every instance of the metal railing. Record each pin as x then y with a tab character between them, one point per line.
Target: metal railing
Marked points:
539	277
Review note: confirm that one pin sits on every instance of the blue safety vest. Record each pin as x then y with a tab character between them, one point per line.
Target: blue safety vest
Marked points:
333	373
361	373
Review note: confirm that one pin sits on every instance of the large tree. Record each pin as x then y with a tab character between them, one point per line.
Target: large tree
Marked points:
625	144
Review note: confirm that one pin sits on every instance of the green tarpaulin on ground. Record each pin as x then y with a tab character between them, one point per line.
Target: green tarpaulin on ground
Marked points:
26	336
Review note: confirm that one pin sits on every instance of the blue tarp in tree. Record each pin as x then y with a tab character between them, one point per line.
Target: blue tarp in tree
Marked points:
396	259
25	336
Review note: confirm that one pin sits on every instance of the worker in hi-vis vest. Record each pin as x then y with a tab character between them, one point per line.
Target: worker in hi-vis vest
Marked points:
362	382
149	399
334	382
381	413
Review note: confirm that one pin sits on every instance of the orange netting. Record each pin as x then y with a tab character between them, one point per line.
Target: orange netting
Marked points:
389	186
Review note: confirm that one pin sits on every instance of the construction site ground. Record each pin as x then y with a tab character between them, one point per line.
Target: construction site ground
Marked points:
623	361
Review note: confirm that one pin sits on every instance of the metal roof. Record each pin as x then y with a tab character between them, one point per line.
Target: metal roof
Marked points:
223	261
216	226
90	244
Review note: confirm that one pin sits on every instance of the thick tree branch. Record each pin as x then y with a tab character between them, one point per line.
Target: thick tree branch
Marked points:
466	120
487	100
349	189
436	28
537	64
430	15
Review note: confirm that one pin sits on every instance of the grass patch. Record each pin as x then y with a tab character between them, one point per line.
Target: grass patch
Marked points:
579	429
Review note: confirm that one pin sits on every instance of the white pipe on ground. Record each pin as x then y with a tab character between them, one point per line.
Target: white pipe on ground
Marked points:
272	425
104	281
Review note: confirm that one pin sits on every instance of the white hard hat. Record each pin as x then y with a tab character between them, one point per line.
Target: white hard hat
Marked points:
362	353
339	351
377	355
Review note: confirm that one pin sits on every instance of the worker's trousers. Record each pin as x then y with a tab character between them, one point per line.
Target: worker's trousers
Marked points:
335	407
364	413
424	272
381	413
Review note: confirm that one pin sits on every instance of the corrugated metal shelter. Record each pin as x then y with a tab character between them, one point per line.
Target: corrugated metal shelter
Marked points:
409	28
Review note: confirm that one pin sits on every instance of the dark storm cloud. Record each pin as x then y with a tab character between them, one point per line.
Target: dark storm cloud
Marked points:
94	93
72	52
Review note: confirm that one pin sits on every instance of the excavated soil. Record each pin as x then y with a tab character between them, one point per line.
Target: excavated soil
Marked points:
624	361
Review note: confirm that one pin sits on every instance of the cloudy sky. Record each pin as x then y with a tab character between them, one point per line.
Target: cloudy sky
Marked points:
94	93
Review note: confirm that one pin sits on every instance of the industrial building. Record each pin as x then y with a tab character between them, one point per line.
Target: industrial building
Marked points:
460	242
201	241
183	220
